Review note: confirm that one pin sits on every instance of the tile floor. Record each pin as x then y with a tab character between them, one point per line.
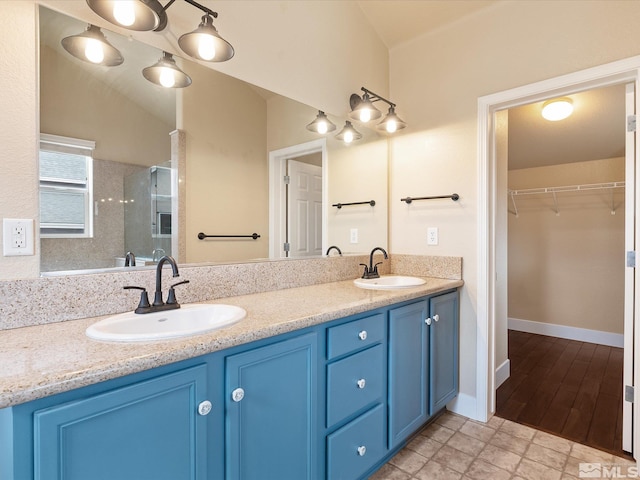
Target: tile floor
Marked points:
454	447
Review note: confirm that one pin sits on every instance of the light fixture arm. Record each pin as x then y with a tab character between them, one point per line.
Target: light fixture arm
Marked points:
374	97
163	17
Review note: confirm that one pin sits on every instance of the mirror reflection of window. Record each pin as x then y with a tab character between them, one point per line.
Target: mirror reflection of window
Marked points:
66	187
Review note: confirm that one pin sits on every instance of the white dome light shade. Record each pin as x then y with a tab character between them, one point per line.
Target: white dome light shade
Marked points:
321	124
92	46
138	15
166	73
205	43
557	109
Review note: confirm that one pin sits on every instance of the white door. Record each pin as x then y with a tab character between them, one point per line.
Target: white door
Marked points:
630	281
304	209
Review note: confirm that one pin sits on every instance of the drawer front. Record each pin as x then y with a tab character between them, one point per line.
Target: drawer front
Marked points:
354	382
357	446
355	335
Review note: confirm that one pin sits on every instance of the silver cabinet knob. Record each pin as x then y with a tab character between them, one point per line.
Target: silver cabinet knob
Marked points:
362	450
436	317
237	394
204	408
428	321
362	335
361	383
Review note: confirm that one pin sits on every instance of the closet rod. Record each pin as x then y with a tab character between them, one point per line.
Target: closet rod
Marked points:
202	236
454	196
340	205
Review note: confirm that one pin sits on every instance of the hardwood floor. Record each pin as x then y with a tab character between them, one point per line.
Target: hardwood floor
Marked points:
569	388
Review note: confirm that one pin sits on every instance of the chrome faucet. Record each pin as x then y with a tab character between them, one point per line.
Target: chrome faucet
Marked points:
129	260
371	271
333	247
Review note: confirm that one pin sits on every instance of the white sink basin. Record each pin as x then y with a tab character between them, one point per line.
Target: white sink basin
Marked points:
389	282
187	320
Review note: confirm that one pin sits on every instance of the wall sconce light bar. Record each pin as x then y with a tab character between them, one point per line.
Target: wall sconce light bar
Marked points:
362	109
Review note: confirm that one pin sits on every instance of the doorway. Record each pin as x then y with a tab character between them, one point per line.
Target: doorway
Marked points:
298	221
492	273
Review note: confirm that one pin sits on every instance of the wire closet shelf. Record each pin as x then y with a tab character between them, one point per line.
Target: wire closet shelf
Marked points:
553	191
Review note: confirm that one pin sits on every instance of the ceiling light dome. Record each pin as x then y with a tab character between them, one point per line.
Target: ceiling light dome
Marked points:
557	109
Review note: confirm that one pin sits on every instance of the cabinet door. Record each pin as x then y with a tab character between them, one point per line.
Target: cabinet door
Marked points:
444	350
149	430
408	370
272	413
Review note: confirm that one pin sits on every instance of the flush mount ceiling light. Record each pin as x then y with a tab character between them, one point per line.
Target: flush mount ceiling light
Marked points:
166	73
348	134
321	124
92	46
557	109
391	122
204	43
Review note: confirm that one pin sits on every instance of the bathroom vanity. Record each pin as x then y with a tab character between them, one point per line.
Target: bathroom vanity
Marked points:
329	391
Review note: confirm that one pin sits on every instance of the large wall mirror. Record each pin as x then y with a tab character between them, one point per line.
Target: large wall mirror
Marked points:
171	163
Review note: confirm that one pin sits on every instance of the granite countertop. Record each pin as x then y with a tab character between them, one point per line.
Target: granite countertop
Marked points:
43	360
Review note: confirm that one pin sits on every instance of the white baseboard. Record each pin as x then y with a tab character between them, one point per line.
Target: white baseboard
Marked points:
503	372
570	333
465	405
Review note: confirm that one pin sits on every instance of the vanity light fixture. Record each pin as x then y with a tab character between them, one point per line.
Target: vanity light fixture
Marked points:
166	73
362	109
204	43
557	109
348	134
391	122
92	46
321	124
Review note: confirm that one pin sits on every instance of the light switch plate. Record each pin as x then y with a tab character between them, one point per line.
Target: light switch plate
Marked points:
353	238
17	237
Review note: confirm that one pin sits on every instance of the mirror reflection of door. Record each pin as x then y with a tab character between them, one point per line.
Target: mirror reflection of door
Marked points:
304	206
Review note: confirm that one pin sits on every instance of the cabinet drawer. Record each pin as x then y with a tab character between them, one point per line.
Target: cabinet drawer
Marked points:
354	382
357	446
355	335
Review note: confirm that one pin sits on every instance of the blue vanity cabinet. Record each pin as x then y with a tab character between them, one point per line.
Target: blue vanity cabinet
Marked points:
356	389
408	370
443	347
272	420
147	430
423	362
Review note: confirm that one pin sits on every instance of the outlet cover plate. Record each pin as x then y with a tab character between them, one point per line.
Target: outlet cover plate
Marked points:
17	237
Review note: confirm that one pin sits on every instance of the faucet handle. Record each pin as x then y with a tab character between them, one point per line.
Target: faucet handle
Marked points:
366	270
144	298
171	297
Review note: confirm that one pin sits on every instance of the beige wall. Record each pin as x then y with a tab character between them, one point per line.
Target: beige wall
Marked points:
227	175
568	269
77	104
436	81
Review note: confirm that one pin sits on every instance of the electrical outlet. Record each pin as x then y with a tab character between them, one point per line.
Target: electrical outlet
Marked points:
17	237
432	236
354	235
